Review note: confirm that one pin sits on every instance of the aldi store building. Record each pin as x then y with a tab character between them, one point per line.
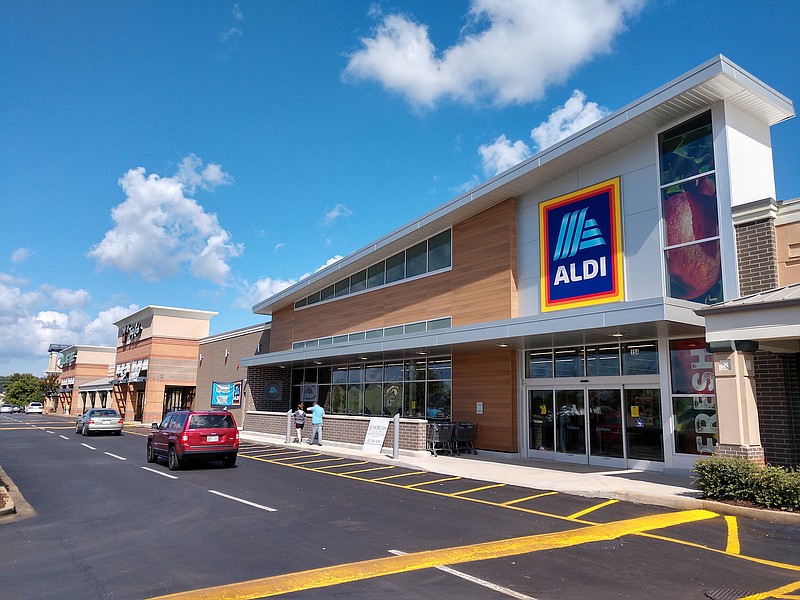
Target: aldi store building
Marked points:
556	304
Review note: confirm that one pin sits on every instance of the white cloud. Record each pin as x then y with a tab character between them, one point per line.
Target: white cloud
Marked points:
570	118
21	255
64	298
335	213
510	51
278	246
233	30
32	319
267	286
158	229
193	175
261	290
575	114
502	154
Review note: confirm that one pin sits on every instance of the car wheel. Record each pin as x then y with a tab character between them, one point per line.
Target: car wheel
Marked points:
118	432
78	430
174	461
151	454
85	430
229	461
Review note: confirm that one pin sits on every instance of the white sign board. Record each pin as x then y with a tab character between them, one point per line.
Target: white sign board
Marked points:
376	433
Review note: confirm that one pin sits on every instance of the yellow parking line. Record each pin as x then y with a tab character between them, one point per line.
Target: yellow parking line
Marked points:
367	470
733	536
478	489
421	483
351	464
311	462
368	569
399	475
518	500
580	513
781	592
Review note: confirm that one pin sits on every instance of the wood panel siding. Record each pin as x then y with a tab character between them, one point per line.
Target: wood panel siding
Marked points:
480	287
489	377
484	266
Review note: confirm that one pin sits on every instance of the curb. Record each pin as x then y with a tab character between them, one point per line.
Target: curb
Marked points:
8	507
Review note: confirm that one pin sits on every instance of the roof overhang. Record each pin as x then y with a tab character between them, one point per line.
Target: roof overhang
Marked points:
639	320
771	318
714	81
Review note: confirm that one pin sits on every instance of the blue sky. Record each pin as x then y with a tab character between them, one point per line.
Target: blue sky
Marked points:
207	154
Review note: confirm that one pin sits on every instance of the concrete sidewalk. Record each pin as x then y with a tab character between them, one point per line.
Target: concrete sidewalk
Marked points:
641	487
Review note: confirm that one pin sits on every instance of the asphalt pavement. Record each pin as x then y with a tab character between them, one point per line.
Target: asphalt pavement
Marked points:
641	487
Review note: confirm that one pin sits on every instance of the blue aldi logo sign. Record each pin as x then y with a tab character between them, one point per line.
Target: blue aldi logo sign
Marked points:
581	247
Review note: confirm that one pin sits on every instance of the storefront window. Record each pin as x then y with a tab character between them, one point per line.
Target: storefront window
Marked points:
640	358
694	403
602	360
437	403
689	206
540	363
569	362
373	400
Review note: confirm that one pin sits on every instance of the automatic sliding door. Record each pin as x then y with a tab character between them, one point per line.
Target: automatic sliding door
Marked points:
605	423
570	422
540	411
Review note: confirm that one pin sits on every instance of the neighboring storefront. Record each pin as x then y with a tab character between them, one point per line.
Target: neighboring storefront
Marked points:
80	366
157	355
553	305
221	380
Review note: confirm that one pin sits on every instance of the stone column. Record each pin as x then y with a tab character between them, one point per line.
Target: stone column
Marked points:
737	415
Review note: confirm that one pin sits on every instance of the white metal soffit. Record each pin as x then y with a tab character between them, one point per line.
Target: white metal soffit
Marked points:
716	80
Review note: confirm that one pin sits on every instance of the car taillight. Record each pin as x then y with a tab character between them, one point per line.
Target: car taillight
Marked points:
185	437
91	421
236	437
120	421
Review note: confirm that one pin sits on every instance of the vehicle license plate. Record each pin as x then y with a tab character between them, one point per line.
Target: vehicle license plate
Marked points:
212	438
106	421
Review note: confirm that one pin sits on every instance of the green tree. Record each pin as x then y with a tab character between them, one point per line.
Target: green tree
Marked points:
23	389
50	383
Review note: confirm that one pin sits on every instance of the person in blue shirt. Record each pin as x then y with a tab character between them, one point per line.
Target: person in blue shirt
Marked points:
317	412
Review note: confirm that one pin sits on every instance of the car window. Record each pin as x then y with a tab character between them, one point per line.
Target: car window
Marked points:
180	420
167	420
106	413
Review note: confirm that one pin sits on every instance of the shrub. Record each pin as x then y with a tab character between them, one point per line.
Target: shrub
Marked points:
728	478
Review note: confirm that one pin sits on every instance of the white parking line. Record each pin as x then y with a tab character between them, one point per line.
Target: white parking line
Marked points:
235	499
63	437
88	446
159	473
483	582
115	456
51	432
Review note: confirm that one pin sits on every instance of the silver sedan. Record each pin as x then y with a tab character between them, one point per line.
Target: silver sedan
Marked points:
99	419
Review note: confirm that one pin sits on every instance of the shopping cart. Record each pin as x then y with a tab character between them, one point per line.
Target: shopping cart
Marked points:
464	438
439	437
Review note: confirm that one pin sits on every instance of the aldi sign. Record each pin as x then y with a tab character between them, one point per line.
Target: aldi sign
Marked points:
580	247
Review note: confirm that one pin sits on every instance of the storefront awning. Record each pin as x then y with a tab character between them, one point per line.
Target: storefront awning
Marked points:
98	385
643	319
769	318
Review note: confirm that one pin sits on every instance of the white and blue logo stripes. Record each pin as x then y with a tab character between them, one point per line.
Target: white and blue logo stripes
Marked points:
577	233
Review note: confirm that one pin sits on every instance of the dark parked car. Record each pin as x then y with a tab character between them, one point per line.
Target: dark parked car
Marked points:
187	435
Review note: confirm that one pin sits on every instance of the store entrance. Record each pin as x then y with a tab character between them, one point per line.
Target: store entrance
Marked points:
607	426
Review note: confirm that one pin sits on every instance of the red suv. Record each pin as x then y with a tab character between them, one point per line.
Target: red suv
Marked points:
185	435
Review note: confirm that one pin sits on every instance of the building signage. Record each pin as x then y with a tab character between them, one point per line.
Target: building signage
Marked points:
226	394
580	247
376	434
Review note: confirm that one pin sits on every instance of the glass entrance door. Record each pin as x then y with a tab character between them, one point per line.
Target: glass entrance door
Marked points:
578	424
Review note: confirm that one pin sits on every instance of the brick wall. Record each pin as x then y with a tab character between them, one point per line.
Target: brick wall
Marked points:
776	375
778	401
340	428
757	254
